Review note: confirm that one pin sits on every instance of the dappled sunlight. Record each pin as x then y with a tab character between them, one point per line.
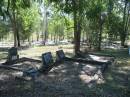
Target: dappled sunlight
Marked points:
42	49
75	78
17	74
97	58
90	74
85	78
3	77
69	77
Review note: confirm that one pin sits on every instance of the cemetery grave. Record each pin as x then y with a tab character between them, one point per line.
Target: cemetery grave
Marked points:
100	64
97	57
23	67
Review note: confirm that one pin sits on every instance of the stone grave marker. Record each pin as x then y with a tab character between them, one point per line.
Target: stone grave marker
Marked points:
47	60
12	54
60	56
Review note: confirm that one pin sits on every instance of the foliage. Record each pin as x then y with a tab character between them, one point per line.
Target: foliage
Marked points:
29	21
68	19
4	29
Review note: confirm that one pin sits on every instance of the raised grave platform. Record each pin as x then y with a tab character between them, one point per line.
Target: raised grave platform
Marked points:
60	56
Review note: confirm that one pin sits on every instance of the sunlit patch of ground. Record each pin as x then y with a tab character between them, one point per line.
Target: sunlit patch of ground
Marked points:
36	52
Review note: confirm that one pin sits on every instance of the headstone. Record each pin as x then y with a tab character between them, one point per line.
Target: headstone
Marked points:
12	54
60	55
47	59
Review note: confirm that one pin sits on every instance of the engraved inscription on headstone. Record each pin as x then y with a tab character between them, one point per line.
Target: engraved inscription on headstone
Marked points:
47	59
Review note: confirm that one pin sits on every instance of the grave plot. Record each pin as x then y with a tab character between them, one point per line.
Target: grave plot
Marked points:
60	56
97	57
88	70
23	71
22	65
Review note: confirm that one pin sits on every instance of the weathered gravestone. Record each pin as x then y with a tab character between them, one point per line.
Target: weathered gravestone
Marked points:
12	54
60	56
47	61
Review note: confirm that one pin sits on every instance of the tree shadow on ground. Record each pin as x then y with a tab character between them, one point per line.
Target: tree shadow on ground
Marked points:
120	53
61	81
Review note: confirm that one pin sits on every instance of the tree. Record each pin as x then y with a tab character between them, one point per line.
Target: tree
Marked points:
96	15
9	9
76	8
4	29
126	15
118	11
57	25
29	20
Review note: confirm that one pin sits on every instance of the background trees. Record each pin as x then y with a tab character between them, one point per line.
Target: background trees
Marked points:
90	21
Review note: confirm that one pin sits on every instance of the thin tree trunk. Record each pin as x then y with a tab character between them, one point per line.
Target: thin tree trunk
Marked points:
15	31
18	37
100	33
46	27
37	34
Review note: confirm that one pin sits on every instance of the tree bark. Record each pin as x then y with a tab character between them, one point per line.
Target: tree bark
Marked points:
123	35
77	28
100	33
12	17
18	37
14	30
37	34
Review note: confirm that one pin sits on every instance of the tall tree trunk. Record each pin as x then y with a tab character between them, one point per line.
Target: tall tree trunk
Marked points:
110	10
15	38
46	27
100	33
14	30
123	35
18	37
51	36
12	17
55	37
77	28
37	34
